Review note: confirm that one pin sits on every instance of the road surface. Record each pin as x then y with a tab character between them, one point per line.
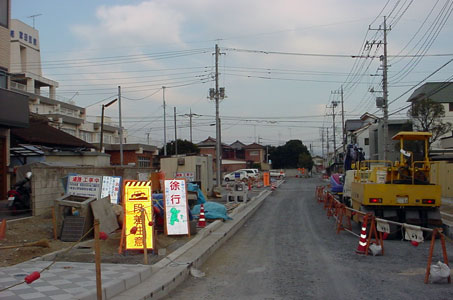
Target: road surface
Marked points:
290	250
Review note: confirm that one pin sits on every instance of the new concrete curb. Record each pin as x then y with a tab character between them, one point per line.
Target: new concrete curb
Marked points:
171	271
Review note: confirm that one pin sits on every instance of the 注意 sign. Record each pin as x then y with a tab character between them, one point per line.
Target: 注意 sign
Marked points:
84	185
111	186
137	198
176	208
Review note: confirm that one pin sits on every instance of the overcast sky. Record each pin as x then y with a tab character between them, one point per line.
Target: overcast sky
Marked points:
275	92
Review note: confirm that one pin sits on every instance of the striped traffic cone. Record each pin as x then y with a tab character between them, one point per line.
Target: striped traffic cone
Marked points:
201	219
361	249
273	186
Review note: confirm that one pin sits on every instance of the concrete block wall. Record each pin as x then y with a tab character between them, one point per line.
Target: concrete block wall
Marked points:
47	182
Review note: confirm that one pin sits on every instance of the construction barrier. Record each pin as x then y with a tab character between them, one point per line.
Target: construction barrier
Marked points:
375	230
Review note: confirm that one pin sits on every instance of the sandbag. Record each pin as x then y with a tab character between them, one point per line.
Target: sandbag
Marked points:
439	272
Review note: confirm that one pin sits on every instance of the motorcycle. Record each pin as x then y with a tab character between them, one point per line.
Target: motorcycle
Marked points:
19	196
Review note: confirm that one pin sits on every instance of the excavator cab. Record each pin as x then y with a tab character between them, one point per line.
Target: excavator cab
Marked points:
411	169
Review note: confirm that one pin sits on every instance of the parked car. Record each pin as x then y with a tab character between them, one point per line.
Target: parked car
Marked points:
251	172
232	176
277	173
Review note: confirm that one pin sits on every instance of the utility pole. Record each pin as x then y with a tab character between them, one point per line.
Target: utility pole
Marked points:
334	104
176	132
383	58
217	119
343	129
190	115
322	142
217	94
165	123
121	126
190	125
147	138
327	138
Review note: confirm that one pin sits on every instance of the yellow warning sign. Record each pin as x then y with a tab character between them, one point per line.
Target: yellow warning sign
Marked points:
137	200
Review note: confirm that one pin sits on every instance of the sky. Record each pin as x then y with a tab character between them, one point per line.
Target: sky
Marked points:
282	63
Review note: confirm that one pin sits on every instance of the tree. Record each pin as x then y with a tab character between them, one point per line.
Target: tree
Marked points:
306	161
428	116
287	156
184	147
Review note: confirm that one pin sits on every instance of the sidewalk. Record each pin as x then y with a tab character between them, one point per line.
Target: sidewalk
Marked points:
72	280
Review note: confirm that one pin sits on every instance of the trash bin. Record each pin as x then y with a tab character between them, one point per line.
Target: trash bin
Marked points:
73	217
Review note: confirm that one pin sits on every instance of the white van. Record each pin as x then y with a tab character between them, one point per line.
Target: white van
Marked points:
251	172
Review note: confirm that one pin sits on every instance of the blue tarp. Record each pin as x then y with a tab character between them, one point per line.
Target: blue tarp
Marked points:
335	183
212	210
192	187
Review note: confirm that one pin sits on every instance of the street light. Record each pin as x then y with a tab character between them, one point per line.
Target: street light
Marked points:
102	122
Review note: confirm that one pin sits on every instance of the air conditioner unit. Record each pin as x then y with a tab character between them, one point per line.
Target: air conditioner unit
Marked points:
181	161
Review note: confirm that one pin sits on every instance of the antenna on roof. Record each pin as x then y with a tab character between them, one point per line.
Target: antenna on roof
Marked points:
33	17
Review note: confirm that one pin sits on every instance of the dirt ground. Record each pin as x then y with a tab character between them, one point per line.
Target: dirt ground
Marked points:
38	228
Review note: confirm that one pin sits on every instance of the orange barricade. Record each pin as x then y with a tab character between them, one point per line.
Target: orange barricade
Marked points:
331	206
373	233
343	212
436	231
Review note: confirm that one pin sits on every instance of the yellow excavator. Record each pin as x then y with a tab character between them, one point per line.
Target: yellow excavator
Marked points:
401	191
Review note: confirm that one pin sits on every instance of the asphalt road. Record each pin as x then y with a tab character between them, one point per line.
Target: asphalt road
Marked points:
290	250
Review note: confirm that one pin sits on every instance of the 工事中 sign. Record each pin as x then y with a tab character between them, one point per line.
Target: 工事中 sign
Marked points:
176	208
84	185
137	200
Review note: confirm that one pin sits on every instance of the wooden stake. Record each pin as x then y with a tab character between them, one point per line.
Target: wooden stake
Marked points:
97	257
54	223
123	238
145	249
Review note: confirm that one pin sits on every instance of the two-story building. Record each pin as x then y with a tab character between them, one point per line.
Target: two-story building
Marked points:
439	92
13	106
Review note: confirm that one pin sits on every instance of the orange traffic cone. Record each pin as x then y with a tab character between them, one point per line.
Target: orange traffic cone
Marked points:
273	186
3	229
201	219
361	249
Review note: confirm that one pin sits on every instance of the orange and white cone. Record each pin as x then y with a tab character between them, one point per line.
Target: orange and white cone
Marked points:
361	249
201	219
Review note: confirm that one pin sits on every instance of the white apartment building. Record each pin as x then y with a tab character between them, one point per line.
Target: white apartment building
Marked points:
26	76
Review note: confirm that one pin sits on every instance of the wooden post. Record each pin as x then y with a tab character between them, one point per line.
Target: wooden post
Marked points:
145	249
97	257
54	223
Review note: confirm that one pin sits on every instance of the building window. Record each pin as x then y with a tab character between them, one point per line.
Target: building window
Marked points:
25	36
144	162
367	141
29	38
450	106
34	42
12	33
4	11
21	34
254	153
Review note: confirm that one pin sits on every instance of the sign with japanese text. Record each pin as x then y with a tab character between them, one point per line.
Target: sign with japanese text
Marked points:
111	185
189	176
137	199
84	185
176	207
